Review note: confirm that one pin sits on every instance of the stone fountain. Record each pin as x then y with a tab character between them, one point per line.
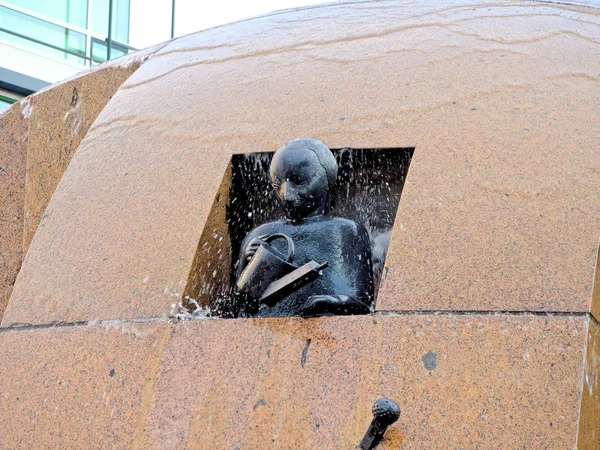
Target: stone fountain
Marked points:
119	190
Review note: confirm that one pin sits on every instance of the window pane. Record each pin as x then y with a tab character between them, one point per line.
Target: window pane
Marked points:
120	31
100	17
99	50
42	31
5	102
70	11
121	21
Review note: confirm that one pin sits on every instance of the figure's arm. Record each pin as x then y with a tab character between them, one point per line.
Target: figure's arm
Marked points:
330	305
366	284
246	305
248	249
359	251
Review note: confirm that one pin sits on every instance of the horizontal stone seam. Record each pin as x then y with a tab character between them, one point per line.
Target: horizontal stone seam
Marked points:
467	312
43	326
144	320
566	3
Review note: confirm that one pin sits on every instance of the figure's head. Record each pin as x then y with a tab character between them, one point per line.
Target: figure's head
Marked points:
303	174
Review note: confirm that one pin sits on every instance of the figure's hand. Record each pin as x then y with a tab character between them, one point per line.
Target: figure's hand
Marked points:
327	305
251	248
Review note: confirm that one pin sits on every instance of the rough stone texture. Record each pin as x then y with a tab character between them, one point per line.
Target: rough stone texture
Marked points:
462	381
500	382
589	419
499	212
61	117
499	100
13	160
78	387
39	137
212	261
595	310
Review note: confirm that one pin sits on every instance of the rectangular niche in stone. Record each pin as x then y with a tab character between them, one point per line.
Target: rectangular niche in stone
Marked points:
367	191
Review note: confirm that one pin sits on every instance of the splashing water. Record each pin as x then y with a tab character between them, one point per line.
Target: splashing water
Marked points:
368	190
179	312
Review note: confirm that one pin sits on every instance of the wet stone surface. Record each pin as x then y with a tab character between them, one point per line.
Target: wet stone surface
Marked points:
255	383
78	387
497	198
430	360
13	161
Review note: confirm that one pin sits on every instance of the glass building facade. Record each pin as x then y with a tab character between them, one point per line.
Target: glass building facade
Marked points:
75	30
46	41
6	101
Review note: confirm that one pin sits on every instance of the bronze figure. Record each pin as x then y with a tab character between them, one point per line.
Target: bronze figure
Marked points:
325	266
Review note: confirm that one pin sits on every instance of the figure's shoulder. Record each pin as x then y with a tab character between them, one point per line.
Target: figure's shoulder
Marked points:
350	226
276	226
341	222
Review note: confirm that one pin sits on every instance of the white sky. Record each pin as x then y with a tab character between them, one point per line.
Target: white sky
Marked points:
151	19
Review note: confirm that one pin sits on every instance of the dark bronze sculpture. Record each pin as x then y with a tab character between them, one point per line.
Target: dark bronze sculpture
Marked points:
325	266
385	413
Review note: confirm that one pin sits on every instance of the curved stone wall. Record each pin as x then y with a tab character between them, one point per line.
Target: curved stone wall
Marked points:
499	102
490	267
39	136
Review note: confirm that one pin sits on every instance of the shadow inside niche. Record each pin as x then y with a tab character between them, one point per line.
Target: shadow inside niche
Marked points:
368	190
